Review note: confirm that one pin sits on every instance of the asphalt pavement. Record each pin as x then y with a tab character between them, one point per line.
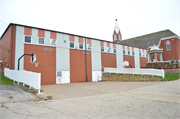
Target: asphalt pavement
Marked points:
155	101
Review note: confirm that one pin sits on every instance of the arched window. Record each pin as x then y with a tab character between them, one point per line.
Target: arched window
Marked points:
168	45
115	37
119	37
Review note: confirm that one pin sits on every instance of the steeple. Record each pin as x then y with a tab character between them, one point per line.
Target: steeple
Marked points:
117	37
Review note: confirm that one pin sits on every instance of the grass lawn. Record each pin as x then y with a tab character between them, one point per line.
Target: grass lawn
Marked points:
5	81
172	77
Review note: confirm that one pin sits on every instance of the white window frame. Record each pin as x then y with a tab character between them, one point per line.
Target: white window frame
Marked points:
132	52
113	50
70	46
168	44
29	36
103	49
51	42
108	49
38	41
124	52
79	47
88	45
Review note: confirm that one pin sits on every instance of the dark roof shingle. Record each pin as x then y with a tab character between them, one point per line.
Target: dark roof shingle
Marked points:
147	40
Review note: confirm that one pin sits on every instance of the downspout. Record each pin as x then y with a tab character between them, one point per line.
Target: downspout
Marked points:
86	59
12	63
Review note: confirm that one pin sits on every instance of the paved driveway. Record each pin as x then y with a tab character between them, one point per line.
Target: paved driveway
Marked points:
10	93
64	91
141	101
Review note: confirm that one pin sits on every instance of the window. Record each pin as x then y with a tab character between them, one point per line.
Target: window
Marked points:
80	46
143	54
139	54
27	39
168	45
109	50
88	46
71	44
102	49
119	37
115	37
146	55
53	42
128	52
41	40
114	50
123	51
132	53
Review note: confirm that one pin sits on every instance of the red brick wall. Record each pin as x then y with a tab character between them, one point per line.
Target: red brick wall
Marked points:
6	44
108	60
172	54
78	66
130	59
47	62
143	61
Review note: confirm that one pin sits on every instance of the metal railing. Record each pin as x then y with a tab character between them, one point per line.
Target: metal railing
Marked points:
31	79
133	71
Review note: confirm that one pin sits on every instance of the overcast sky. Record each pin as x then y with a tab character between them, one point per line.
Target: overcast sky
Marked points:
94	19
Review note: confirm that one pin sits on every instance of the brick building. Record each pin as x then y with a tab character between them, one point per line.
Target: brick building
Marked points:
165	39
64	57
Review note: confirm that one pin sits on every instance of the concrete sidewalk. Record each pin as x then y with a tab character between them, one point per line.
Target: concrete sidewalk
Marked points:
73	90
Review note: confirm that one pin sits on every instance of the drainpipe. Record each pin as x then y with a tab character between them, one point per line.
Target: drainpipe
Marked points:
12	63
86	59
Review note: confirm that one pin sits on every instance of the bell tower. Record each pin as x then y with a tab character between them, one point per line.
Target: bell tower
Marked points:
117	37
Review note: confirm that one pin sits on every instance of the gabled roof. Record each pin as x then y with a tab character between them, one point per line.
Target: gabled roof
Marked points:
147	40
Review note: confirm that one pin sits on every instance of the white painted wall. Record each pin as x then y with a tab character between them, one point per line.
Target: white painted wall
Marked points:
65	77
96	76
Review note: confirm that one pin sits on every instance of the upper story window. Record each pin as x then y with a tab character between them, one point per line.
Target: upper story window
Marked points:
41	41
115	37
114	51
88	47
53	42
140	54
114	48
132	53
124	52
89	44
128	52
168	45
71	41
80	46
27	39
102	46
80	40
132	48
102	49
109	50
71	44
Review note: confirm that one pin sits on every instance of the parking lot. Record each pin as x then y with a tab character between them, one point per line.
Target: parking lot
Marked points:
99	100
